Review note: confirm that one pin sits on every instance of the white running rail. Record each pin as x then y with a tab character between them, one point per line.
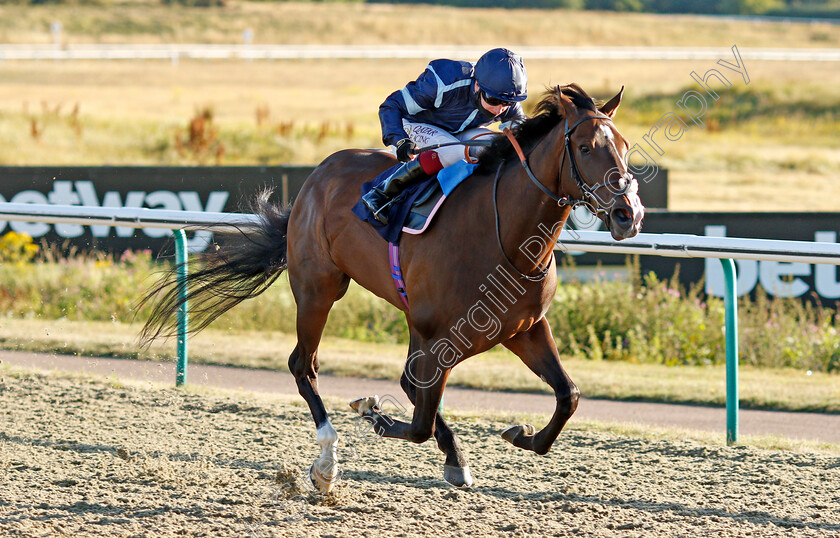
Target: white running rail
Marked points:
196	51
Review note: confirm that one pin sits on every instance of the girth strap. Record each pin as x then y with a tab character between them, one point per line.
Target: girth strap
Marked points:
396	271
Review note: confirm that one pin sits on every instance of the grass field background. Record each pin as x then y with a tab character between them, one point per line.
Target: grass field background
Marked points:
150	21
771	144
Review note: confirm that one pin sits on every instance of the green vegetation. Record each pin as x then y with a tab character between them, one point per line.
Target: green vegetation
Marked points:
644	321
716	7
779	8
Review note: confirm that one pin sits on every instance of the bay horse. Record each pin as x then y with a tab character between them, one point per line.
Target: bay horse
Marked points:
468	288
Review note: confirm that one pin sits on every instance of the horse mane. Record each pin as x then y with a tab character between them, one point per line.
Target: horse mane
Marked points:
548	113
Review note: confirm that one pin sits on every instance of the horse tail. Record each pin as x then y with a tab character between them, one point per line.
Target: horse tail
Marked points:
242	267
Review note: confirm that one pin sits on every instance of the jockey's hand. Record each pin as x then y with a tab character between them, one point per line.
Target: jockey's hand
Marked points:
405	149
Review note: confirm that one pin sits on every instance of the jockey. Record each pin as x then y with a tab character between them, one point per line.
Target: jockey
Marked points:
451	101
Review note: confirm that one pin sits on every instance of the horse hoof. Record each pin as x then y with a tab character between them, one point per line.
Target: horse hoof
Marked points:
513	432
322	483
365	405
459	477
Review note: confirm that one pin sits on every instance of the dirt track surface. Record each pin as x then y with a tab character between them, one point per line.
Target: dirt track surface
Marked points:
806	426
88	458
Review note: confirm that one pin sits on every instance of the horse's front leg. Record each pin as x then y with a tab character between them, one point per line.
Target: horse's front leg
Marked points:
429	377
456	471
538	351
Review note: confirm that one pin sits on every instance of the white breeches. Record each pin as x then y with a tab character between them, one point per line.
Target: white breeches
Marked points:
424	134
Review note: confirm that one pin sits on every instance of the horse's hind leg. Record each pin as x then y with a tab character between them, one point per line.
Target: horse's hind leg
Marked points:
315	292
538	351
456	471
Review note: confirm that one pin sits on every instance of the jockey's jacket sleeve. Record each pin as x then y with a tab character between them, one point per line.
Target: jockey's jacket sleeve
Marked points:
418	95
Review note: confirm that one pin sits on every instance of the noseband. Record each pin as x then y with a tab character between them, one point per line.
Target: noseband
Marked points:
590	199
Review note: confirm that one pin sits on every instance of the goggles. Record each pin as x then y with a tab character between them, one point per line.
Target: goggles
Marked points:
492	101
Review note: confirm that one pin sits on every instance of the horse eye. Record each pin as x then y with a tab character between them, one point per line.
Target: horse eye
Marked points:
584	150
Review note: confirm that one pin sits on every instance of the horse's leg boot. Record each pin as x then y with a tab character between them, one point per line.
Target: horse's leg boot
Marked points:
378	199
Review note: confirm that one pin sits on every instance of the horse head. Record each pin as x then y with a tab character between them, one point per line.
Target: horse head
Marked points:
597	174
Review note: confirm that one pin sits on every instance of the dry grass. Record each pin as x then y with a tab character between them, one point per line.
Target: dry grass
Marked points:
132	112
148	21
128	109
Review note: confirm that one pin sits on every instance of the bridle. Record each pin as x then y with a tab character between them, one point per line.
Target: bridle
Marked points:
588	192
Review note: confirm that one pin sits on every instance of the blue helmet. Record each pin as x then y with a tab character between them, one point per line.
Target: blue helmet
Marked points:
500	73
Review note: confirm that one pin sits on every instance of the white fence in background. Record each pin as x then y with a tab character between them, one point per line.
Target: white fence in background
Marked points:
175	52
669	245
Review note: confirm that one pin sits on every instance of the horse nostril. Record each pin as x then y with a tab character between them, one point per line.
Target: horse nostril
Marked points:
621	216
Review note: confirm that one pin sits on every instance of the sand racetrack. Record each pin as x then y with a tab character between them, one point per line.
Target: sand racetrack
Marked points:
83	457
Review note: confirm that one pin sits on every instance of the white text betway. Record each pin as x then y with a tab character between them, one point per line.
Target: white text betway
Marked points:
84	193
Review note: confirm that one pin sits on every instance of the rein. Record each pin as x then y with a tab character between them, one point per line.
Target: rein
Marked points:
543	271
585	190
523	160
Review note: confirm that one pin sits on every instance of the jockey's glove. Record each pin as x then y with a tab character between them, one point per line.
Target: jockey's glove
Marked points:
405	149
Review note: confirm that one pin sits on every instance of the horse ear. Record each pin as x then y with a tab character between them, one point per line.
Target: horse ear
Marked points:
566	103
612	105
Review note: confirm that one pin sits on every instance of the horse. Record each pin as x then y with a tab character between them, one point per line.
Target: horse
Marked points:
468	288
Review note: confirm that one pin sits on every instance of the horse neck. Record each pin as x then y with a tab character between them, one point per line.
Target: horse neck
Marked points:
529	219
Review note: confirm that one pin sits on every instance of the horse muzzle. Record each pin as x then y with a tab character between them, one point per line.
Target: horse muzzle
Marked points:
624	219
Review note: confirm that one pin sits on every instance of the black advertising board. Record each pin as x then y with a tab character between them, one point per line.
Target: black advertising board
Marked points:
225	188
205	188
219	189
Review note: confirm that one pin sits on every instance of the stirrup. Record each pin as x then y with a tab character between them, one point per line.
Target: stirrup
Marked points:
381	214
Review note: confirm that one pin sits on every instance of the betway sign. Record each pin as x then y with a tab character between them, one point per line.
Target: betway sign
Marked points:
778	279
84	193
217	189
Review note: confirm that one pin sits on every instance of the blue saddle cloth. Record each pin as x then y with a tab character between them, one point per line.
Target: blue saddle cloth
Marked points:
420	193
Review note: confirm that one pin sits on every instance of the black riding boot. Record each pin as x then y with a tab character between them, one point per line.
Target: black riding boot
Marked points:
379	199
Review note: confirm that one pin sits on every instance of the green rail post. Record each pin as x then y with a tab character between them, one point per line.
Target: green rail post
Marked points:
181	267
730	302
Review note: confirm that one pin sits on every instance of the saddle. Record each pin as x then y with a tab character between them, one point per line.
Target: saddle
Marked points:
424	207
414	209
